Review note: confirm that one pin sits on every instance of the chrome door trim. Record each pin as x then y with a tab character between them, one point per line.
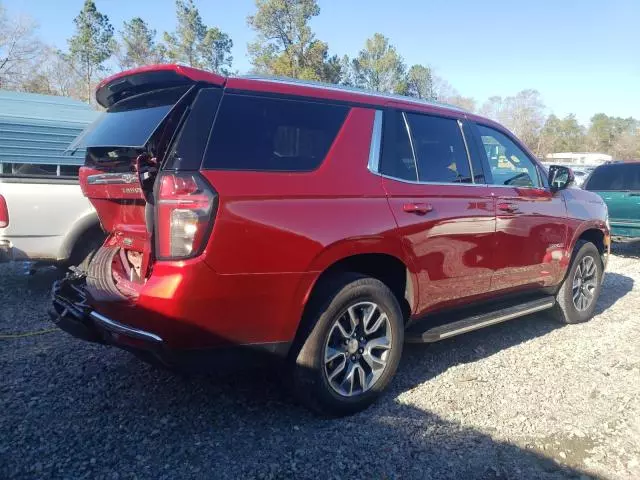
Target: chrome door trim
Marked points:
413	150
466	147
376	143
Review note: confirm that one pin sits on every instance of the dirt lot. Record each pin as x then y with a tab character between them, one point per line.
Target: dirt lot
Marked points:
526	399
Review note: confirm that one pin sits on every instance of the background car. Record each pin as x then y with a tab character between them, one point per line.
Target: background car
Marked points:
48	218
619	185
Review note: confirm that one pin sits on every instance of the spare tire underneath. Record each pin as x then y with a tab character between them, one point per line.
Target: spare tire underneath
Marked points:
101	284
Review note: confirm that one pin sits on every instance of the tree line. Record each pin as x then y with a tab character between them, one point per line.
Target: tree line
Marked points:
284	45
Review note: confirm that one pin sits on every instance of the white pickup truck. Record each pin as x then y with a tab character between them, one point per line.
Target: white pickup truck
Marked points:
44	217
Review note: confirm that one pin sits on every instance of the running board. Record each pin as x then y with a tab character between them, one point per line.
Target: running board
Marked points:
415	334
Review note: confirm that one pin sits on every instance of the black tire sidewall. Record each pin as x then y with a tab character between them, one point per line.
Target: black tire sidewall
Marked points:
568	312
311	382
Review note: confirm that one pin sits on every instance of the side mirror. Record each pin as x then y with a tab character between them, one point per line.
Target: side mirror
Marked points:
560	177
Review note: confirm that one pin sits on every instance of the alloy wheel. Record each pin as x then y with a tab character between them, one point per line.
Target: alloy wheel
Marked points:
584	283
357	349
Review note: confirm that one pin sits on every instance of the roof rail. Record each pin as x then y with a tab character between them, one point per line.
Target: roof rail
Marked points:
346	88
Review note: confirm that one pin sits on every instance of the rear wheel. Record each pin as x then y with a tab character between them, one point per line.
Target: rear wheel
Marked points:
353	348
84	250
577	297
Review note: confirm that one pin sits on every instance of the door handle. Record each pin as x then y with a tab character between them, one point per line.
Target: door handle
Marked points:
634	194
508	207
417	208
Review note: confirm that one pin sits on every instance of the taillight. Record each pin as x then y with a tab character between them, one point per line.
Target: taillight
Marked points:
4	213
185	210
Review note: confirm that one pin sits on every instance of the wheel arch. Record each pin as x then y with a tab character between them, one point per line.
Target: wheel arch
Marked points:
86	223
388	267
593	232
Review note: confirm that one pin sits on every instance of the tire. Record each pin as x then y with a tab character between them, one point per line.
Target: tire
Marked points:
85	250
332	303
100	283
566	309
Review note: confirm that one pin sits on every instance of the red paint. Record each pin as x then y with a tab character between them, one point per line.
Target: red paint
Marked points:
274	233
182	70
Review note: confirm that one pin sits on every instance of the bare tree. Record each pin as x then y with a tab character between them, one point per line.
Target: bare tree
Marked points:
53	74
522	113
18	48
444	92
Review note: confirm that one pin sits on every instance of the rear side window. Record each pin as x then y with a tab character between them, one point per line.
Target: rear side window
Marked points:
268	134
189	145
439	148
614	177
397	154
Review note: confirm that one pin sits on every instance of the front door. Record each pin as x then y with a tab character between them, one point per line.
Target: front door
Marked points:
446	221
531	230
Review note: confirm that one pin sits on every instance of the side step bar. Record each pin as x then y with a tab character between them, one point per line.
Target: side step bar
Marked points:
475	322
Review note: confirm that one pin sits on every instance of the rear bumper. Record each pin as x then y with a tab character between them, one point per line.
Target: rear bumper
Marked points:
71	312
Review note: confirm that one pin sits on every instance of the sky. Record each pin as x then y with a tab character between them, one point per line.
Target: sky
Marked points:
583	56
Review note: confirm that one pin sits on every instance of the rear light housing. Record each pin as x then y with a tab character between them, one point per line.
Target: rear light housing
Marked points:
4	213
185	209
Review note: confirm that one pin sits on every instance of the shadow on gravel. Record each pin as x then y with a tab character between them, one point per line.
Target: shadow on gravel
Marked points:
95	413
615	287
626	249
75	410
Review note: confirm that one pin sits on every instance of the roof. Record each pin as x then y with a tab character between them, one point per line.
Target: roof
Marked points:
349	89
38	128
108	91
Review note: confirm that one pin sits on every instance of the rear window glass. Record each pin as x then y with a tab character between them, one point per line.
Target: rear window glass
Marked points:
397	155
440	152
254	133
614	177
130	122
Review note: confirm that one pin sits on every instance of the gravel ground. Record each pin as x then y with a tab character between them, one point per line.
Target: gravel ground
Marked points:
525	399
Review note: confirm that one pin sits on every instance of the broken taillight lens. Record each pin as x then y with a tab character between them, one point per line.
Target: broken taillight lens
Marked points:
185	213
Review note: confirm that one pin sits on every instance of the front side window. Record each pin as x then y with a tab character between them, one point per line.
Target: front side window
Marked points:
509	165
440	152
268	134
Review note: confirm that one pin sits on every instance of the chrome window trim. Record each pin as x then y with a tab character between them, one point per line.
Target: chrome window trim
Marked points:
466	147
376	142
457	184
413	150
541	187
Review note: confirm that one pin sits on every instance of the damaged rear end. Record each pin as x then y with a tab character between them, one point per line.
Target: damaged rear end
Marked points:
141	175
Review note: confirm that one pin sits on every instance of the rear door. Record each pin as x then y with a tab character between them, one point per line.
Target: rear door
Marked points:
531	230
445	219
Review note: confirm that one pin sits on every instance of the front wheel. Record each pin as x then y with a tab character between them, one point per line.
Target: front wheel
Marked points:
353	348
577	297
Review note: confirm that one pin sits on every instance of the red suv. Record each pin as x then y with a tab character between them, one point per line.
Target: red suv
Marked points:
319	224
